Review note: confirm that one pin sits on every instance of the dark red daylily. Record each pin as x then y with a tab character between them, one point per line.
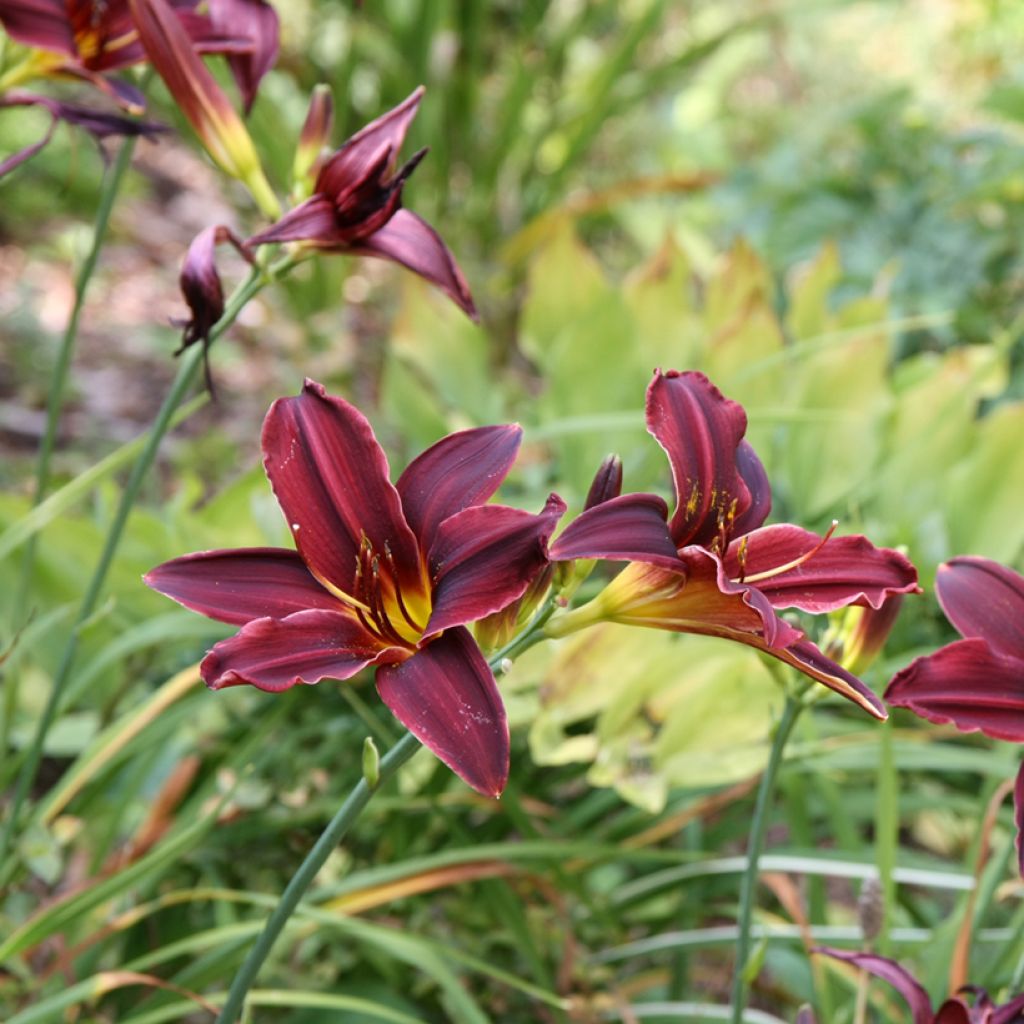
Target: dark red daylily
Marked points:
730	574
356	207
953	1011
384	574
977	683
89	38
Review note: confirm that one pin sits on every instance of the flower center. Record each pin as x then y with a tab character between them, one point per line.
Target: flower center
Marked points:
380	604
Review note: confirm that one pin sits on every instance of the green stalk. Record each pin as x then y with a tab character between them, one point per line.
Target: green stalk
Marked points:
191	362
758	826
337	828
308	870
58	387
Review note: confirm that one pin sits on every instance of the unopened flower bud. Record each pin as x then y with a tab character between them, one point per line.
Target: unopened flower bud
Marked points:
607	482
371	763
314	140
863	633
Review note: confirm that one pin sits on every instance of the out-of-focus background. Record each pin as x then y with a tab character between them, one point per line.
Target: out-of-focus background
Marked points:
820	204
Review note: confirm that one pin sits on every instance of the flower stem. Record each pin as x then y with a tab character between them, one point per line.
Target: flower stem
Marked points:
308	870
339	826
790	713
179	389
58	381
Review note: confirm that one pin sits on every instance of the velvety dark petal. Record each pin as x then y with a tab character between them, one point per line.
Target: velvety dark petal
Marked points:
607	482
200	283
1013	1011
257	21
630	528
700	431
359	155
805	657
952	1011
984	599
331	479
412	242
241	585
901	980
695	598
966	684
314	220
446	696
756	479
276	654
484	558
460	470
794	569
41	24
1018	819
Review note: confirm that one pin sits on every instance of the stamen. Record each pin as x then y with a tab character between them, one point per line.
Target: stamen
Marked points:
377	603
398	590
741	557
768	573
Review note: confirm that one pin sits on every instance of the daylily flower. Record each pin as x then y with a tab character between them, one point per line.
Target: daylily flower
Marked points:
953	1011
356	207
977	683
89	38
730	574
384	574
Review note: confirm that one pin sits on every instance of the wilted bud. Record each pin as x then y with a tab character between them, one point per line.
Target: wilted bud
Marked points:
496	630
200	284
862	634
607	482
314	139
871	909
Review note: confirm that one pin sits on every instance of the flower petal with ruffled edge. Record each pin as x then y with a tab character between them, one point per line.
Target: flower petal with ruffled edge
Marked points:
484	558
700	431
966	684
243	584
984	599
446	696
331	479
277	654
822	574
460	470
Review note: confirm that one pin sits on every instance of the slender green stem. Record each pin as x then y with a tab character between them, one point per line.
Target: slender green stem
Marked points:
59	379
758	826
308	870
190	364
339	826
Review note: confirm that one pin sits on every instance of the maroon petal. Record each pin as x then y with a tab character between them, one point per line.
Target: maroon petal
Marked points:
484	558
966	684
700	431
331	479
256	20
805	657
837	572
754	476
901	980
629	528
276	654
984	599
313	220
357	157
1013	1011
412	242
241	585
41	24
446	696
460	470
953	1011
